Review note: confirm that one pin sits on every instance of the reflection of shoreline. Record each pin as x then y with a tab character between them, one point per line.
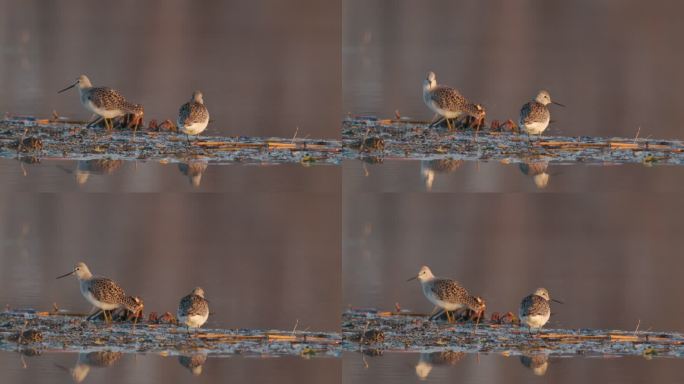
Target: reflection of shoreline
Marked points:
428	360
537	362
429	169
193	168
101	359
193	362
538	172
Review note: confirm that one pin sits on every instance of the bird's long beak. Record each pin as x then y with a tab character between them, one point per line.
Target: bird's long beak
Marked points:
413	278
553	102
557	301
66	274
68	88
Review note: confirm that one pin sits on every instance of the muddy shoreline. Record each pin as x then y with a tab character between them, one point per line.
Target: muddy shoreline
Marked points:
37	332
367	332
410	332
366	139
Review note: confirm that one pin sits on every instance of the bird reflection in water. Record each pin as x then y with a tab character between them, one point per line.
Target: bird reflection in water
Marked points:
429	169
100	359
193	363
537	362
193	168
428	360
85	168
538	172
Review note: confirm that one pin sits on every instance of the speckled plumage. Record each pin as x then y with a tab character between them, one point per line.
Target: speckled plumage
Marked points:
535	309
193	116
193	309
104	101
447	294
534	305
535	115
102	292
105	98
450	291
447	99
448	102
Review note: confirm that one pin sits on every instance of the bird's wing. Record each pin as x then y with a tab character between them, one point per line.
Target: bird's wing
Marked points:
192	112
104	97
449	290
448	98
533	111
106	290
533	304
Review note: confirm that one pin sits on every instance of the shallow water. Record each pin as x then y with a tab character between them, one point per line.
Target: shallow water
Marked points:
261	65
484	368
615	65
116	176
70	367
411	176
608	253
266	258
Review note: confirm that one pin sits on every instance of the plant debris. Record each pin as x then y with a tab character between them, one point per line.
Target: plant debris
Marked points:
363	138
60	139
62	331
409	139
412	332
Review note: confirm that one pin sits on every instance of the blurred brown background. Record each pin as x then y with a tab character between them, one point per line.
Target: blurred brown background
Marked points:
265	260
612	257
266	67
615	64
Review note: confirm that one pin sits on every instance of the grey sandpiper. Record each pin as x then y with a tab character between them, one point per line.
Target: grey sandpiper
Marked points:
105	102
535	309
448	103
535	115
103	293
446	294
193	309
193	116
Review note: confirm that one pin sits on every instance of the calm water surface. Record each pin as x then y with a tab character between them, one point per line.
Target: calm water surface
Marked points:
261	64
265	259
615	64
449	176
197	175
610	253
130	368
483	368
